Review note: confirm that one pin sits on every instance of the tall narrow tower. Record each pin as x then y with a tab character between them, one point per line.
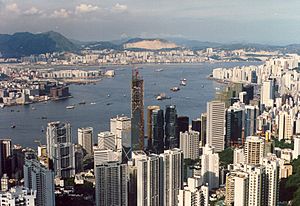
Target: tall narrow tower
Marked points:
137	111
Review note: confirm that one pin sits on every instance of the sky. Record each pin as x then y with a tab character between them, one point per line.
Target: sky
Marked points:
225	21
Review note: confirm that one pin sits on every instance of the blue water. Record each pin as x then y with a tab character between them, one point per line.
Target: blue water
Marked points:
190	100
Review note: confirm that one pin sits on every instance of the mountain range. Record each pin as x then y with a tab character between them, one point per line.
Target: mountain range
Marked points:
25	44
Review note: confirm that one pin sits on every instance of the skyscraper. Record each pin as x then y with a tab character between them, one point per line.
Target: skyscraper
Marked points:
157	131
267	93
5	152
137	111
182	124
254	150
60	149
234	126
215	125
150	110
172	179
85	139
203	134
107	140
251	114
111	184
189	144
210	167
41	179
171	137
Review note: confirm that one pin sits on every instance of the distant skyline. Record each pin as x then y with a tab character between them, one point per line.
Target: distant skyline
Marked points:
224	21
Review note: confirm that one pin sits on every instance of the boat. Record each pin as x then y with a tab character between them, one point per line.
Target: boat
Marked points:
2	105
92	103
108	95
175	89
13	126
159	70
83	102
183	83
202	85
70	107
108	104
44	117
33	108
162	96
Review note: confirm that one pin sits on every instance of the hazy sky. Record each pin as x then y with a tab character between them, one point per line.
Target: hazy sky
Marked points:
260	21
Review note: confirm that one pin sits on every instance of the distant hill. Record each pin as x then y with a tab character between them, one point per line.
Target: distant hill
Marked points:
149	44
25	43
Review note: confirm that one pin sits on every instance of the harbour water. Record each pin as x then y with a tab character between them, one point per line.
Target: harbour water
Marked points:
111	97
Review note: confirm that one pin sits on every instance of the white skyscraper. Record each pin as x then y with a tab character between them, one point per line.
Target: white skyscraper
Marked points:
85	139
107	140
18	196
210	167
256	181
172	166
60	149
41	180
216	124
104	156
121	127
189	144
285	127
194	194
238	156
254	150
111	184
296	151
267	93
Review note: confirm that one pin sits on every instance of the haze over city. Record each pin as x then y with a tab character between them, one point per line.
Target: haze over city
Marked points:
269	22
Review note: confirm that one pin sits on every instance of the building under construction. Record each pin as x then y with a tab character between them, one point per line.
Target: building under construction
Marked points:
137	111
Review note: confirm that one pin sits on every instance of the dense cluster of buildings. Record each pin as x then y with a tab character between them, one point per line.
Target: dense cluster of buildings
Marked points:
173	162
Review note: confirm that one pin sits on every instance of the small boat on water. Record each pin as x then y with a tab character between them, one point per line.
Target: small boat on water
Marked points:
13	126
70	107
183	83
159	70
92	103
108	95
162	96
33	108
44	117
175	89
2	105
83	102
108	104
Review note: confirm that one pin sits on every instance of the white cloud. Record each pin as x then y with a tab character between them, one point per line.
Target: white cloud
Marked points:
33	11
85	8
13	8
119	7
61	13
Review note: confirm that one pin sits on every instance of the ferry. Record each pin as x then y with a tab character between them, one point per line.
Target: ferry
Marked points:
70	107
162	96
175	89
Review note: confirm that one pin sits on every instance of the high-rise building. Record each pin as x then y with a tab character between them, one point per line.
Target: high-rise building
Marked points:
85	139
137	111
238	156
171	138
296	151
150	110
196	125
172	178
5	152
203	134
102	156
18	196
215	125
194	194
41	180
267	93
285	126
234	126
251	114
254	150
111	184
5	183
107	140
182	124
210	167
157	145
121	127
60	149
189	144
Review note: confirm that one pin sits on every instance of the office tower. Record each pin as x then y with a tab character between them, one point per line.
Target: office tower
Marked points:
61	149
256	184
18	196
267	93
194	194
203	134
182	124
234	126
147	179
137	111
121	127
215	125
251	114
150	110
238	156
5	152
42	150
107	140
4	183
249	89
210	167
40	179
102	156
172	179
271	185
189	144
196	125
111	184
171	138
296	151
85	139
285	126
254	150
237	184
79	155
157	131
17	162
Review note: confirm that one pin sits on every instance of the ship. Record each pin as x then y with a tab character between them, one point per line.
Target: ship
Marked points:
92	103
13	126
175	89
70	107
159	70
162	96
83	102
183	82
